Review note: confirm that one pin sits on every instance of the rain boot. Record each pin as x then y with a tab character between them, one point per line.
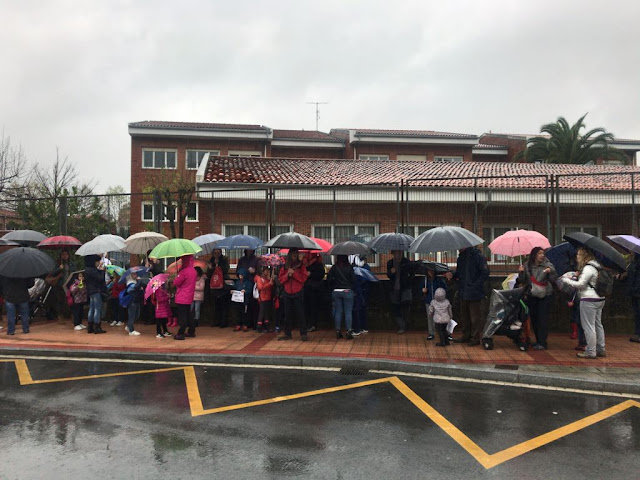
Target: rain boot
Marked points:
574	331
90	327
98	329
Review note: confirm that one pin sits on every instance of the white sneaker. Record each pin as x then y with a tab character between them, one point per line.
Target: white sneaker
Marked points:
168	334
364	331
78	327
126	329
119	324
83	326
113	324
135	332
157	336
516	326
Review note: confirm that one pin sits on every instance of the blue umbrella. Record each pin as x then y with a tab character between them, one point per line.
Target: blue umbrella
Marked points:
561	256
366	274
240	242
140	270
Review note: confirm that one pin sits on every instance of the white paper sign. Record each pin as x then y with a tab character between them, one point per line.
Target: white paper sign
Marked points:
451	325
237	296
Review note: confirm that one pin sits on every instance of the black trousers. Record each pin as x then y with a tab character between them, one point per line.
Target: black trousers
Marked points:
220	307
539	312
294	311
185	319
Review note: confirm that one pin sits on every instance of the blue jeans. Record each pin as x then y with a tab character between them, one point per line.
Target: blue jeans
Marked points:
196	307
133	312
23	310
95	307
343	303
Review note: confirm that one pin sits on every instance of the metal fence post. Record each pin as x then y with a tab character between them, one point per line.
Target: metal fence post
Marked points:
157	212
397	207
335	217
634	224
406	227
548	206
558	229
62	212
475	206
267	222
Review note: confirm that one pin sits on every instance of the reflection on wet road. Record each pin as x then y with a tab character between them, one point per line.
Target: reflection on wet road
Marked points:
110	419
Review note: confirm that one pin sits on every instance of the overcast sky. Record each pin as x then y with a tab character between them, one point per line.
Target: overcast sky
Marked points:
75	73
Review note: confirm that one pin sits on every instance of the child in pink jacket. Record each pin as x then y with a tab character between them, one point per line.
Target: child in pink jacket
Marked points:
185	283
198	295
162	301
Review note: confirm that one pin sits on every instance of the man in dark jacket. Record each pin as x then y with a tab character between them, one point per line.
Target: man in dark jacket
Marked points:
314	291
16	300
96	286
400	272
471	273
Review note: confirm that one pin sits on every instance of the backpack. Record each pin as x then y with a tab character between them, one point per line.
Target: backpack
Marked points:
124	298
604	282
217	280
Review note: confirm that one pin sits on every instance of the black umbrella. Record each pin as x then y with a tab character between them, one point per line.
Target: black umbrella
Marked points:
349	248
562	256
292	240
25	262
391	241
435	266
444	239
604	252
25	237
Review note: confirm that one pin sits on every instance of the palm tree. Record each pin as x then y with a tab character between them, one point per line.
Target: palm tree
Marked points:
563	143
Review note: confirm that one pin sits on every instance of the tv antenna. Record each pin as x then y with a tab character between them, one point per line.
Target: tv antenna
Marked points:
317	110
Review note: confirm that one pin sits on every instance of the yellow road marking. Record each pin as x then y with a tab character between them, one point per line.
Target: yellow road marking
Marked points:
486	460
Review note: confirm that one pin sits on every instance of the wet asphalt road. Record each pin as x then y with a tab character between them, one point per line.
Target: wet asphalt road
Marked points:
140	426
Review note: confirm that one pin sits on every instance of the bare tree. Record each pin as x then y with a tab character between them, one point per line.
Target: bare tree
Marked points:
13	167
177	193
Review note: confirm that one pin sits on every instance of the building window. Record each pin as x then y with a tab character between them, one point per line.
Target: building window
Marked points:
194	157
412	158
613	162
148	213
594	230
342	233
159	159
374	158
259	231
448	159
244	153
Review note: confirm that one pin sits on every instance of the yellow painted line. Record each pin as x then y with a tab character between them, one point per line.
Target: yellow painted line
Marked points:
295	396
450	429
486	460
537	442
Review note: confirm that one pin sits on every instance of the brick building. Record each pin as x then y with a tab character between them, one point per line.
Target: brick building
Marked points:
361	182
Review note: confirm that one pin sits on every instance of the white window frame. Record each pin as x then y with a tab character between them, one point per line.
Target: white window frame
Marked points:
244	153
212	153
372	157
152	219
448	159
163	150
411	158
494	259
374	262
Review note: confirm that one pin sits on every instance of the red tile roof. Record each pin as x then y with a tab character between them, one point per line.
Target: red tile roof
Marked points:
243	170
198	126
305	135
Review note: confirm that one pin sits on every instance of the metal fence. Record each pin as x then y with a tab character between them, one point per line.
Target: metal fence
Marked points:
601	204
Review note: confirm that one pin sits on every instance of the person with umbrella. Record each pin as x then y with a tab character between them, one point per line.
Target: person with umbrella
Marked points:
56	301
341	280
95	288
185	283
293	277
314	290
591	303
16	301
361	293
218	273
538	274
632	289
400	272
249	261
471	274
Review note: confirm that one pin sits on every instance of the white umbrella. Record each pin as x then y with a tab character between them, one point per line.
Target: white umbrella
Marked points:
208	242
140	243
101	244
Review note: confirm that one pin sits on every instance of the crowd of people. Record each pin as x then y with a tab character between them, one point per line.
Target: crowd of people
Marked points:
280	296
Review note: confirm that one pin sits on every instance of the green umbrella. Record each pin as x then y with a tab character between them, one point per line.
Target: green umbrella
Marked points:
114	269
176	247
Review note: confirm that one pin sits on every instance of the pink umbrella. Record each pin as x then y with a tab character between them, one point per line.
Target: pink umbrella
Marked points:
272	259
518	242
326	246
155	283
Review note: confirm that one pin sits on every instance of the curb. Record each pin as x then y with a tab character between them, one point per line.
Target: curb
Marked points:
485	372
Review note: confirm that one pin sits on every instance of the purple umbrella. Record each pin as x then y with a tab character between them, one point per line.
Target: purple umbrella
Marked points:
628	242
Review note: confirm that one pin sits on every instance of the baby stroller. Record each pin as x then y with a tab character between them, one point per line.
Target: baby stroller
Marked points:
38	296
508	315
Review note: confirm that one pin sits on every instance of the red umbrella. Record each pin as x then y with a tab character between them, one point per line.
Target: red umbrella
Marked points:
60	241
326	246
272	260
